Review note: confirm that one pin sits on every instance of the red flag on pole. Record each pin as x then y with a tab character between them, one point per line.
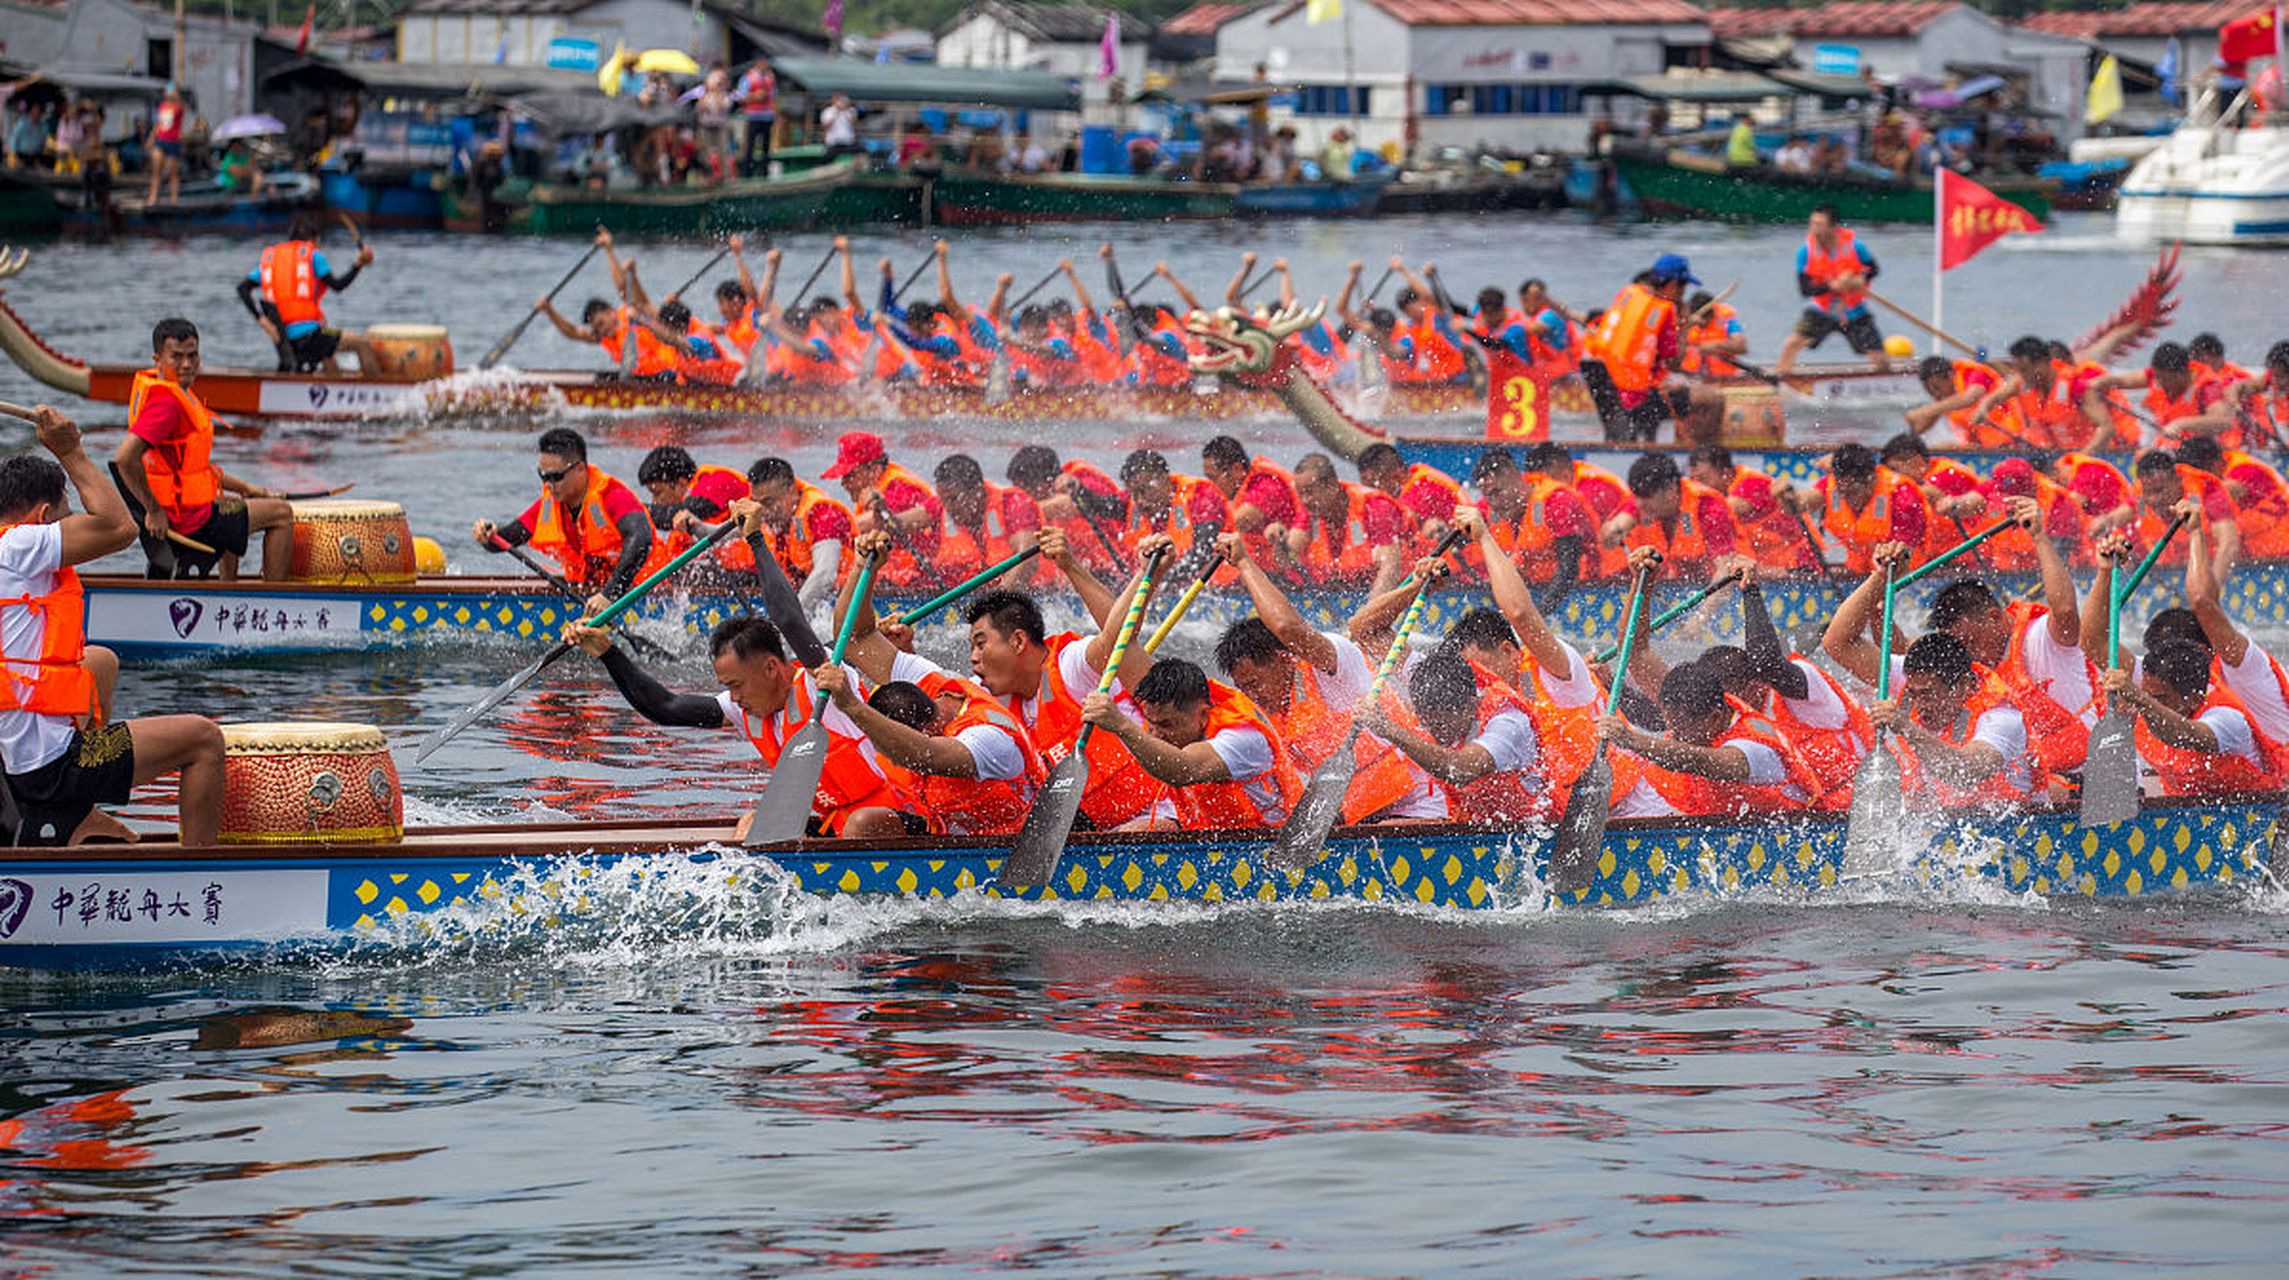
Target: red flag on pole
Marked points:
1971	217
2255	35
302	37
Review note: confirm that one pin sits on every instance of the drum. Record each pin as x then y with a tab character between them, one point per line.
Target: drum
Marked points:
1752	418
331	783
411	351
339	540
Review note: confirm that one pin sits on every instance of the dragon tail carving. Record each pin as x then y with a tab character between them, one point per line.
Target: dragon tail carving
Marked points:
2148	310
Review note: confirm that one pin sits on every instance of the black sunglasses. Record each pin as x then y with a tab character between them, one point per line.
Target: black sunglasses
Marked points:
551	477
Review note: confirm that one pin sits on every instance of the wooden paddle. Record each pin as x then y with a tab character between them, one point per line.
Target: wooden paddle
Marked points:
611	613
922	612
784	809
1925	325
1671	614
1878	801
493	355
1303	836
1184	602
312	495
1580	837
2110	770
705	267
1033	855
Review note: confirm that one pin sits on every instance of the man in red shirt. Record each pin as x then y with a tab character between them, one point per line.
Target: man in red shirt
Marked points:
593	525
1264	502
1347	526
167	468
1690	524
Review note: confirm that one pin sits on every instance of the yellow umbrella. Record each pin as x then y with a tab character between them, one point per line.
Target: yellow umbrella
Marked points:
673	61
608	75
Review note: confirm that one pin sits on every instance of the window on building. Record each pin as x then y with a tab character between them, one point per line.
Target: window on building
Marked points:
1502	99
1331	100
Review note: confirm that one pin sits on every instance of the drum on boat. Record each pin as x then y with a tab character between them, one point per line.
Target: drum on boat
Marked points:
291	782
340	541
1752	418
411	351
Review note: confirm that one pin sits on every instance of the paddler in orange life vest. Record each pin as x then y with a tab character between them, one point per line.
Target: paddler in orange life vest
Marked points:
2260	495
1425	349
2242	665
2259	403
804	528
1428	494
1690	524
1956	387
167	463
1768	528
1552	333
1713	331
2194	737
986	524
1862	506
884	495
1538	523
593	526
282	294
1833	270
2162	482
1075	496
1188	509
1718	758
61	756
685	494
1950	489
2207	352
1807	704
1220	763
631	346
1632	350
1352	534
2039	403
1263	498
1517	399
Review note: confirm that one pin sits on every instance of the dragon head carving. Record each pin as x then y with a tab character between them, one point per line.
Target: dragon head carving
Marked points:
1242	347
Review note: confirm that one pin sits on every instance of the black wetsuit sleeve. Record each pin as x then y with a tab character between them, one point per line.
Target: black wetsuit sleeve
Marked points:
246	295
635	545
512	531
655	701
341	280
1568	551
1808	286
1768	657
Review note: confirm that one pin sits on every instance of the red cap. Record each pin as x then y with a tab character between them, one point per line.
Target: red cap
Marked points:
855	449
2014	478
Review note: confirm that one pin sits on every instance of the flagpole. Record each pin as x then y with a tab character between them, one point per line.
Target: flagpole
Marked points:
1938	252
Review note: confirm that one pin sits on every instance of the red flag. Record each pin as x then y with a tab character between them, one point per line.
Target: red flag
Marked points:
302	37
1971	217
2250	36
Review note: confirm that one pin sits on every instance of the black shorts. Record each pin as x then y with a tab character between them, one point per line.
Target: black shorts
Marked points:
317	346
226	531
1815	325
52	800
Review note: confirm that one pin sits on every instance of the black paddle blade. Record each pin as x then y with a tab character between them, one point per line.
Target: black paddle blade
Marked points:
1033	855
500	694
785	609
2110	772
1879	808
1303	837
785	807
1580	837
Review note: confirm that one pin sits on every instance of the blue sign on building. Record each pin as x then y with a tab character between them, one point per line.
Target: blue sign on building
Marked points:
573	53
1836	59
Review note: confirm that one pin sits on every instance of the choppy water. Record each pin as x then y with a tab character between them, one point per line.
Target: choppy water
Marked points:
754	1083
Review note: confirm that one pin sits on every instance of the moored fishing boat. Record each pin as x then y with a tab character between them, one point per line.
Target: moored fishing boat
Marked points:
1691	185
835	195
205	207
134	906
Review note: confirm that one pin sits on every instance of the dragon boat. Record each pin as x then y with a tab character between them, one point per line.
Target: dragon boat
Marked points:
154	905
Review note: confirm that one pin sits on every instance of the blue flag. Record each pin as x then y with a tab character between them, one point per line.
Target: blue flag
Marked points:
2167	70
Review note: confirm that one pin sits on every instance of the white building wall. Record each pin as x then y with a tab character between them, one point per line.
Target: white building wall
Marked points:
1312	55
459	38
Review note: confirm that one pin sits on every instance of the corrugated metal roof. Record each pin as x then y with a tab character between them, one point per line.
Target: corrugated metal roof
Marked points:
1496	13
1864	18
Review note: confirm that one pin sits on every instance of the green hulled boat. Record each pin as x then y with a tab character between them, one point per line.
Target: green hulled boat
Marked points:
27	207
971	200
831	196
1688	184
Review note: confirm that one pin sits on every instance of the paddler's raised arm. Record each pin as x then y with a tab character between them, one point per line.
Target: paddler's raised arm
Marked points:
1514	598
2110	550
1191	300
651	699
869	650
739	261
1134	661
1096	597
2064	619
2203	594
1232	296
1288	282
1350	286
903	745
849	274
1768	657
1277	611
1377	623
1847	637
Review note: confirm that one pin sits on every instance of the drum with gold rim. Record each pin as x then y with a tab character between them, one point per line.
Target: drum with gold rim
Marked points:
1752	418
329	782
350	540
410	351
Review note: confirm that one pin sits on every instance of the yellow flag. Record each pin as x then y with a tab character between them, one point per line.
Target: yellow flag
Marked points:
2105	100
1315	11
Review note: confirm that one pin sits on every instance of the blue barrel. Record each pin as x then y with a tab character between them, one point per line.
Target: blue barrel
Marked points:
1101	150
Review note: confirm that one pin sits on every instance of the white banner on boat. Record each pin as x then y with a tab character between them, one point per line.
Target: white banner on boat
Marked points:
285	398
127	904
218	619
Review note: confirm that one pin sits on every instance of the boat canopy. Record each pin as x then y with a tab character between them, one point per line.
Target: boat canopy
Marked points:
918	82
426	80
1730	86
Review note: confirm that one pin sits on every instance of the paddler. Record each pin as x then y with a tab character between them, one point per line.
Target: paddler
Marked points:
2194	738
684	492
2260	495
698	356
986	522
1262	496
1713	331
1309	684
1220	763
1809	706
592	525
1044	678
1632	350
1717	758
1540	523
804	528
2162	480
1956	388
2243	666
1427	349
885	495
1687	523
1862	506
282	293
1833	270
1765	521
2063	524
2260	402
1552	333
1515	403
1352	534
1952	491
1161	501
62	757
2039	403
167	465
2172	394
2206	351
1427	494
1076	496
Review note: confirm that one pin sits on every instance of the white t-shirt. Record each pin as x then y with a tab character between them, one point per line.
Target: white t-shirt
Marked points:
2234	737
2252	681
1246	753
1821	707
786	723
1508	736
1343	692
2004	729
996	756
2064	666
1080	681
1766	769
30	557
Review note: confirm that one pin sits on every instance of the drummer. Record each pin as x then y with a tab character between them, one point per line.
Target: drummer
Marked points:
166	464
585	519
282	294
61	755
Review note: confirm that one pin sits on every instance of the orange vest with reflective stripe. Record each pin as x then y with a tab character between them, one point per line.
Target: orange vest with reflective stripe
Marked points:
1119	789
973	806
2187	772
51	682
1341	552
2198	485
1312	731
847	780
791	546
2013	549
1712	328
1685	542
289	278
1860	532
965	552
182	475
1628	337
1259	801
1693	795
588	549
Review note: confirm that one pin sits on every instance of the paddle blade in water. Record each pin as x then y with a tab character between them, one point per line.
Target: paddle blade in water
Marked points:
1580	837
500	694
2110	774
1879	808
1033	855
1303	837
785	806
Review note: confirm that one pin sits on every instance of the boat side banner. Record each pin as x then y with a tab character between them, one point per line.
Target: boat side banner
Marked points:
221	619
283	397
126	904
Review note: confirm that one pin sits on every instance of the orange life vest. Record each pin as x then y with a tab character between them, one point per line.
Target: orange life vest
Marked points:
1824	265
848	780
289	278
802	365
1183	492
653	357
587	549
1259	801
1861	532
1528	538
1715	326
2013	549
1564	741
1607	496
791	546
182	475
2056	732
2264	513
2165	408
1684	545
1943	533
1970	431
1996	787
1101	363
2198	485
1778	539
2051	419
901	569
1832	754
1628	337
2187	772
1694	795
1312	731
1437	359
1340	553
51	682
719	370
1119	789
973	806
1154	367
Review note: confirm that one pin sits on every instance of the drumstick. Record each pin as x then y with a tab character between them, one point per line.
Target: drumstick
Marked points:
193	544
18	411
312	495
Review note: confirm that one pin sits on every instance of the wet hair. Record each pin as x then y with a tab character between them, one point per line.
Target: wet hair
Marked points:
564	442
2201	453
1935	367
731	291
1493	460
905	702
2277	355
921	317
1443	685
1406	298
959	471
1492	302
1248	640
675	315
1531	283
1484	628
1652	473
666	465
1034	464
1380	456
2155	462
305	226
2207	348
743	636
2170	357
593	308
1715	455
1907	444
26	481
1939	654
1548	456
1312	466
172	329
1694	689
1830	211
1032	314
1224	451
2059	351
1141	463
1960	599
2031	348
767	470
1009	613
2182	665
1731	663
1172	682
1854	462
1700	299
2176	623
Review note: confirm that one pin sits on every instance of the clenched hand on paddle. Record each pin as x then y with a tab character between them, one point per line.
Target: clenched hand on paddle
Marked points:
2110	770
1580	836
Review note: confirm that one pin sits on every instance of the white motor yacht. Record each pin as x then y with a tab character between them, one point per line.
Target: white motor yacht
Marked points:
2221	178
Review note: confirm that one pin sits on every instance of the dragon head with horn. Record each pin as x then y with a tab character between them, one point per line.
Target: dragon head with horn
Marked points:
1250	351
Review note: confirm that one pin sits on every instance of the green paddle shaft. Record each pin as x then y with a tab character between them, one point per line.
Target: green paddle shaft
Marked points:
858	592
693	552
1669	615
1884	664
1966	547
2138	575
1628	639
927	609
